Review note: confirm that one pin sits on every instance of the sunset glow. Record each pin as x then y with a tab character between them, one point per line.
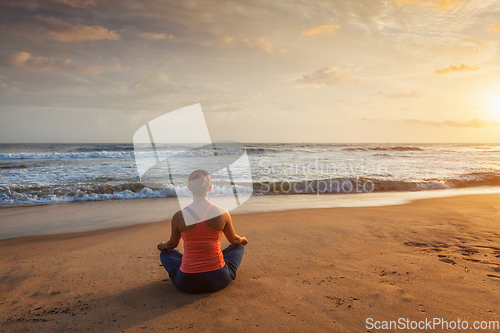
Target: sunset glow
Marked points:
495	106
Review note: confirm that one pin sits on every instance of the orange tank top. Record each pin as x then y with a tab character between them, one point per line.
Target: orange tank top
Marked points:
202	251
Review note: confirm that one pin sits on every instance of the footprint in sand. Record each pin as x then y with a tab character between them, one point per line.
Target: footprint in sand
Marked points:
444	258
447	260
473	260
415	244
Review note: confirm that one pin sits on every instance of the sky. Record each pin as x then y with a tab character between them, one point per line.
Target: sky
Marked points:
263	71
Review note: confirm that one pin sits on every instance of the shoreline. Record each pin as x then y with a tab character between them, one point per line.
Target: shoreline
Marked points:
68	217
324	270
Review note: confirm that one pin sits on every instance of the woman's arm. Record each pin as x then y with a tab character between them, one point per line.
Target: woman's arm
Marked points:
175	235
230	234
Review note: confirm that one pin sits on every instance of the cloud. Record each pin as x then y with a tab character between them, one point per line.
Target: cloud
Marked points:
477	123
154	83
62	31
322	29
495	27
231	42
96	69
326	76
419	31
77	3
153	36
262	44
412	94
224	42
452	68
440	4
474	123
27	62
10	88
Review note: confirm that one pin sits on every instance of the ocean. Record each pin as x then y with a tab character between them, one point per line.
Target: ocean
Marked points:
32	174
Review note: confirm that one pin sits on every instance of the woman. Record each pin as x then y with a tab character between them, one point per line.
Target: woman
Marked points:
203	267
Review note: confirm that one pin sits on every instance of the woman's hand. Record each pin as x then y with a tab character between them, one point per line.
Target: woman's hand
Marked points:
243	240
162	246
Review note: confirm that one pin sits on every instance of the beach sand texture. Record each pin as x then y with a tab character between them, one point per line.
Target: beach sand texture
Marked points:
311	270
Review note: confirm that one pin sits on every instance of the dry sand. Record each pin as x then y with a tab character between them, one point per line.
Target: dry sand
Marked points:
312	270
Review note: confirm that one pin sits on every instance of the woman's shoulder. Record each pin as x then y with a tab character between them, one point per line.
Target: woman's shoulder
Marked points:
215	211
178	217
217	217
218	210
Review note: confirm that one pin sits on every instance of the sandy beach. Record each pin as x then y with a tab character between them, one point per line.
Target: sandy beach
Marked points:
309	270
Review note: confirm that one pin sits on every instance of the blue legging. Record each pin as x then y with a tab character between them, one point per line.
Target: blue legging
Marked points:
206	282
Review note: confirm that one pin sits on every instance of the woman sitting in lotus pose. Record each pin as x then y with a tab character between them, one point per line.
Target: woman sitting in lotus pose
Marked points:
203	267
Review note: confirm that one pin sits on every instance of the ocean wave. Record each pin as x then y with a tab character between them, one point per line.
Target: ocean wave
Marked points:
36	194
394	148
79	172
66	155
170	151
257	150
365	184
117	154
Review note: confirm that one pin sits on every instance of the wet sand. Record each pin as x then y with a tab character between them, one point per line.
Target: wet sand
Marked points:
56	218
309	270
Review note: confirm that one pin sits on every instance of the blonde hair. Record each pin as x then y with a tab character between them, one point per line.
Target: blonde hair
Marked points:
199	182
